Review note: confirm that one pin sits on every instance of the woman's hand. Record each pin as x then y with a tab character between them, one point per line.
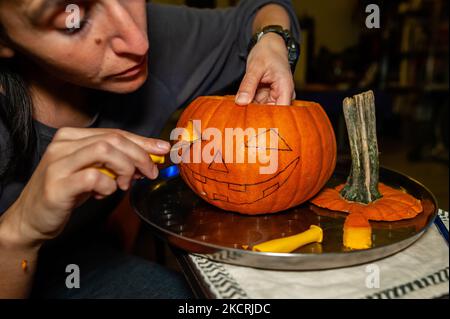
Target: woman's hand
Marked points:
268	79
65	177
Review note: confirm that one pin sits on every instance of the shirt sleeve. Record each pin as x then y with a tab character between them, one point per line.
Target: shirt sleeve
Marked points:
202	51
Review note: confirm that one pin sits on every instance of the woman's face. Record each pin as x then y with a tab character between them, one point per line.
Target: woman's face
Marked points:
108	51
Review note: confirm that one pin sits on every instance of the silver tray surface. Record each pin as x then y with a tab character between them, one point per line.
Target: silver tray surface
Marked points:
178	215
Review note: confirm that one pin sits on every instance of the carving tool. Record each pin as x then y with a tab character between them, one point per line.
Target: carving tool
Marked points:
288	244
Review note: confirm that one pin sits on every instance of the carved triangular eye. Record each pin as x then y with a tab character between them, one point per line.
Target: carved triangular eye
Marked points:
273	141
218	164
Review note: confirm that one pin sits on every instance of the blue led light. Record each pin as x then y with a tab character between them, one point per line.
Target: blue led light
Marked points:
169	172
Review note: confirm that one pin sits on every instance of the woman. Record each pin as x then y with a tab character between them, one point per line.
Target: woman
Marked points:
73	98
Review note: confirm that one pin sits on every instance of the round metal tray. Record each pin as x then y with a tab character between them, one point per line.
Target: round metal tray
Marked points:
177	214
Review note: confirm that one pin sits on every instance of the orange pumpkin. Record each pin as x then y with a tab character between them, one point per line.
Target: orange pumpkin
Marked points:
305	154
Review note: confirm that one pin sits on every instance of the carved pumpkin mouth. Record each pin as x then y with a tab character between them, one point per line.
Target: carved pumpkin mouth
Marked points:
215	189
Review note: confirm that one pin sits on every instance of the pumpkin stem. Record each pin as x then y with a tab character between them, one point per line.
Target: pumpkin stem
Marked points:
362	183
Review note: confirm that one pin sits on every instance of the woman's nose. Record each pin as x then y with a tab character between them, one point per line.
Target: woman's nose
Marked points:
129	38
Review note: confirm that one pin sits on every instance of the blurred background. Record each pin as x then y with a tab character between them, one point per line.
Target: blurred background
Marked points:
405	62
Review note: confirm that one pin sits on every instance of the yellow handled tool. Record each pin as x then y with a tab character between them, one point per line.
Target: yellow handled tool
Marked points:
157	159
288	244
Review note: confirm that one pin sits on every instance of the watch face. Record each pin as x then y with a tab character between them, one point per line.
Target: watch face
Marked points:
294	54
295	51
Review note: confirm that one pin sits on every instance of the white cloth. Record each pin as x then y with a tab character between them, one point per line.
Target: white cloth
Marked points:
419	271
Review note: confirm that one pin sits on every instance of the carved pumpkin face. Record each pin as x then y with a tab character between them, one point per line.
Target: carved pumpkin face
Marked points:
298	142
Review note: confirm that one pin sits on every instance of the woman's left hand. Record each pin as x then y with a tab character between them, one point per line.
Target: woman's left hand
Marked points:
268	78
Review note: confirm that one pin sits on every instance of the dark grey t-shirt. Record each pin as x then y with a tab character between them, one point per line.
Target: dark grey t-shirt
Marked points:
193	52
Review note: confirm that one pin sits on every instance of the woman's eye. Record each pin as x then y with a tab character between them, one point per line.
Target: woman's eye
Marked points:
76	29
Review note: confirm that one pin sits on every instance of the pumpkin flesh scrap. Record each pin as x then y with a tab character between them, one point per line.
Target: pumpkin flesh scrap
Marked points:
357	232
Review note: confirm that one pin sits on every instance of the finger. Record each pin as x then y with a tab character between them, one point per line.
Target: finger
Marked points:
98	154
286	92
262	95
139	156
249	84
150	145
87	181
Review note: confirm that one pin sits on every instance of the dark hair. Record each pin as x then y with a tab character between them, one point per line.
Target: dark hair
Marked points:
16	114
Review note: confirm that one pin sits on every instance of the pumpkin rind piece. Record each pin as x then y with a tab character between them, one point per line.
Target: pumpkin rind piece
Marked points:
357	232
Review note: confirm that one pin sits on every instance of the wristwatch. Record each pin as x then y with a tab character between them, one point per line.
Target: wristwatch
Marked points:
292	45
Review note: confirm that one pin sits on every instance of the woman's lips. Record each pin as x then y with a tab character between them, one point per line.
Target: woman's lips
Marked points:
132	72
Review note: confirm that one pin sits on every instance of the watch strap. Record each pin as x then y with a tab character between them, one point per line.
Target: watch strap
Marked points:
291	44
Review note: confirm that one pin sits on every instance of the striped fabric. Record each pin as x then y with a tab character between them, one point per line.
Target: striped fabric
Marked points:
420	271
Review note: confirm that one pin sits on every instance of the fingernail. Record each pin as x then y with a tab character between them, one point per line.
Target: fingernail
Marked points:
242	99
163	145
123	183
155	172
124	186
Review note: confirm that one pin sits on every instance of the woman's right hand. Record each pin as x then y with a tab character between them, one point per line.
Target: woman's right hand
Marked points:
66	177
